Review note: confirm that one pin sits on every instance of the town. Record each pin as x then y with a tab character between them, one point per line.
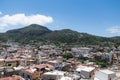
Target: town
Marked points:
59	39
63	62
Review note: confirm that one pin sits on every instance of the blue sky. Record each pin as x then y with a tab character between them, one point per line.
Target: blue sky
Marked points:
97	17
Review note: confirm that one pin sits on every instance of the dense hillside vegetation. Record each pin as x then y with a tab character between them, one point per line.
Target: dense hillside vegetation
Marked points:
40	33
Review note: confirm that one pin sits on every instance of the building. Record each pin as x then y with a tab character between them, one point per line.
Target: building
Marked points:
12	62
2	61
85	72
56	64
12	71
15	77
108	57
105	75
30	73
81	52
57	75
43	67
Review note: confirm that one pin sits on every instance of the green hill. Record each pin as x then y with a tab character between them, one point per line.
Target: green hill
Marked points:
31	32
40	33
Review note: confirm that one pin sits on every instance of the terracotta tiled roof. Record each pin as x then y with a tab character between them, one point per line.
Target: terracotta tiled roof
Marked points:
43	66
12	78
48	65
40	66
30	70
21	50
16	59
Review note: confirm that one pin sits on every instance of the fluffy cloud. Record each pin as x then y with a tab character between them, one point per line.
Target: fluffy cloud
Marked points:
8	21
115	29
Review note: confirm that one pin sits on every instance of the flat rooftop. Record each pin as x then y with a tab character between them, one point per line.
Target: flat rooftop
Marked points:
54	73
85	68
106	71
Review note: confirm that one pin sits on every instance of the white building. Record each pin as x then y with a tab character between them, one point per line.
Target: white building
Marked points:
85	72
56	64
108	56
105	75
84	50
81	51
58	75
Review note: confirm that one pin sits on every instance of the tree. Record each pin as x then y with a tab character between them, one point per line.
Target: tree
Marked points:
68	55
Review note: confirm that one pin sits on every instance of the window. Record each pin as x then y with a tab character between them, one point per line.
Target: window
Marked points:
51	79
28	76
23	74
9	64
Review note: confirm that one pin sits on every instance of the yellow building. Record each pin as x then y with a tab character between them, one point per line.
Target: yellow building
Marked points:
30	73
12	62
2	62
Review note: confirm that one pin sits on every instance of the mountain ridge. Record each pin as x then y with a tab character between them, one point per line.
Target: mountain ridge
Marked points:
35	32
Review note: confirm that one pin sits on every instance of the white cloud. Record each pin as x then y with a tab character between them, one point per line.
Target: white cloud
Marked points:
0	13
8	21
115	29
